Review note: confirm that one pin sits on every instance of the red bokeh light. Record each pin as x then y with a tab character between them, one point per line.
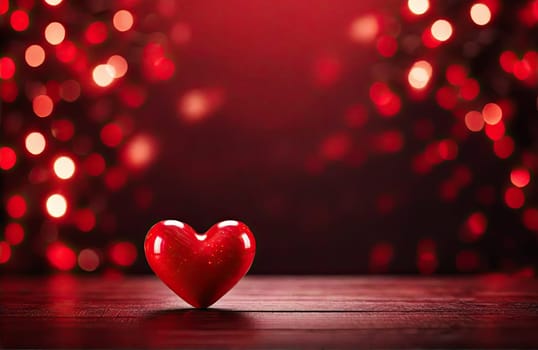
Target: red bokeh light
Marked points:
507	60
446	97
530	219
62	129
16	206
4	6
14	233
456	74
111	135
522	70
391	141
520	177
133	96
470	89
96	33
156	65
8	158
61	256
477	223
7	68
42	105
88	260
381	256
123	253
66	51
448	149
327	71
5	252
426	256
474	121
495	132
475	226
504	147
387	46
335	146
388	103
70	90
19	20
95	164
514	197
84	220
115	178
8	91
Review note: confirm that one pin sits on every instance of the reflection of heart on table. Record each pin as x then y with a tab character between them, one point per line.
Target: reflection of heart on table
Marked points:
232	327
200	268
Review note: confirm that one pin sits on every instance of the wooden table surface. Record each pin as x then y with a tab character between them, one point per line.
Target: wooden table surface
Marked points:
272	312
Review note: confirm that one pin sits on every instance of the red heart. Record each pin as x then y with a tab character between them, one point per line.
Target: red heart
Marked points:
200	268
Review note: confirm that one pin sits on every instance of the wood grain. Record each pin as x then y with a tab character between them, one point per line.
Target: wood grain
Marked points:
267	312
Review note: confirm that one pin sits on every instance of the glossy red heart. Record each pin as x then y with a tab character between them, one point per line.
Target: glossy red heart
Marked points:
200	268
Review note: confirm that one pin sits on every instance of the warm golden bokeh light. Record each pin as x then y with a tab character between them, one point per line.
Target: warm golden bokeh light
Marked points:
56	205
140	151
364	29
194	105
64	167
441	30
55	33
53	2
123	20
119	64
35	143
420	74
34	55
492	113
103	75
418	7
480	14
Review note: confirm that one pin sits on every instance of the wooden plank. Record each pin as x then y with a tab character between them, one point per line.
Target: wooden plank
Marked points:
64	311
